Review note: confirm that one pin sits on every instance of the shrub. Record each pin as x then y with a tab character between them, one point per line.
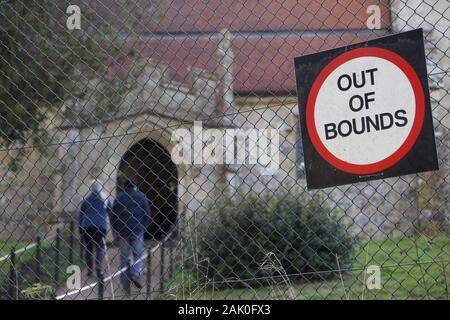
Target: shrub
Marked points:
38	291
248	238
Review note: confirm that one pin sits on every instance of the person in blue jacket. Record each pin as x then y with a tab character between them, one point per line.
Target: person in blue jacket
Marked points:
94	212
130	218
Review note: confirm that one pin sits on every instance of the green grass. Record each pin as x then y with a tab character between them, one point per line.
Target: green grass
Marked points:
26	264
5	249
6	246
409	270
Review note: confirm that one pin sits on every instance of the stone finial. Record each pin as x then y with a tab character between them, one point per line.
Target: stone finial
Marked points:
225	59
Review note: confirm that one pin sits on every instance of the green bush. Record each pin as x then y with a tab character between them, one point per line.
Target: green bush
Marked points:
38	291
252	239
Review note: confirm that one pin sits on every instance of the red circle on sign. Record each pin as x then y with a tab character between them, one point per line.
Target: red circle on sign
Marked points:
404	66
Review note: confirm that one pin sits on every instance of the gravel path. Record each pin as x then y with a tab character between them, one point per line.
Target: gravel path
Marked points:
112	288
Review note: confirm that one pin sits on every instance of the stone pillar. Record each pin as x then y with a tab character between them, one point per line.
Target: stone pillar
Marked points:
70	182
225	59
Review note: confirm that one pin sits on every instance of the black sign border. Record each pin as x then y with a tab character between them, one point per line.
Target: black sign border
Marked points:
422	156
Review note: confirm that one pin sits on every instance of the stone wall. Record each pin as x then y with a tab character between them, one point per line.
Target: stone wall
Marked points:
88	143
431	189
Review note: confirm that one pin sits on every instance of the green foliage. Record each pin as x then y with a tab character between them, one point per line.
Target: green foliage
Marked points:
43	63
38	291
402	262
38	55
28	286
250	237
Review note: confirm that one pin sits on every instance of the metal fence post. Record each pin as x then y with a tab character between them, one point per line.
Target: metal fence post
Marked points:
171	249
57	254
128	277
37	271
101	286
149	272
80	240
71	241
12	276
161	269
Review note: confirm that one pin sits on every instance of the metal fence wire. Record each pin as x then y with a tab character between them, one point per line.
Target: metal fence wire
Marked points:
177	122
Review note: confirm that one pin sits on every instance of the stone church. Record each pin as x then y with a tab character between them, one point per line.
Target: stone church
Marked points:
228	67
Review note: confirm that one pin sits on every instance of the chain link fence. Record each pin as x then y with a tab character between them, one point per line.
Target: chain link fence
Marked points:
151	149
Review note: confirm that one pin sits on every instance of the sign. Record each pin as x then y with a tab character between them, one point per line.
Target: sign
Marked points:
365	111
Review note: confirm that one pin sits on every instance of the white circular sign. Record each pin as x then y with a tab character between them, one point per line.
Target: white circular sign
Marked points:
364	112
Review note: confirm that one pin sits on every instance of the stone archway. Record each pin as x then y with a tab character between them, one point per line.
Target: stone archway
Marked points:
149	165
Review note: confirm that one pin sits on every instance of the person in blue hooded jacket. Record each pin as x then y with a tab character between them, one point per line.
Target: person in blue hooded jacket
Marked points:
93	225
130	218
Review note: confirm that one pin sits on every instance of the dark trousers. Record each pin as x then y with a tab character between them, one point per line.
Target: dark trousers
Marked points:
93	240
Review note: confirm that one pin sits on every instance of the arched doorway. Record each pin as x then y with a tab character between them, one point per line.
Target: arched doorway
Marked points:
149	165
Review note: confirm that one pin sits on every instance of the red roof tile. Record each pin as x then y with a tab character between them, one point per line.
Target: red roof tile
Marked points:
262	64
268	34
262	15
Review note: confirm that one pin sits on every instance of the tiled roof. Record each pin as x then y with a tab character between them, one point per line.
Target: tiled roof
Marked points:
261	15
262	63
267	34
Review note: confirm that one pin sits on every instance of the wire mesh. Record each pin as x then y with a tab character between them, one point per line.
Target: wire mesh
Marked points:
132	166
